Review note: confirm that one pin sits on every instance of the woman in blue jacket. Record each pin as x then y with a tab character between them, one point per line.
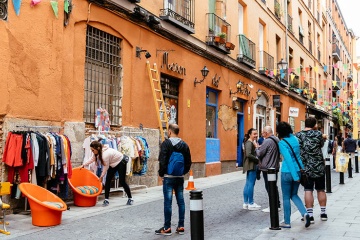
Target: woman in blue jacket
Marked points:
290	173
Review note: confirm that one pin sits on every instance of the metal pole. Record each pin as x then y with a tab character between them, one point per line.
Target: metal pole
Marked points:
328	175
341	178
273	200
196	215
349	165
356	162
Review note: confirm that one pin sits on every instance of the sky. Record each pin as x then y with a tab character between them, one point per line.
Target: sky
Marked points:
350	10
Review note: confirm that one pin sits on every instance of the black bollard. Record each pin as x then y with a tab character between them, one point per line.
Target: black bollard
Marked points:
341	178
273	200
356	162
328	175
349	165
196	215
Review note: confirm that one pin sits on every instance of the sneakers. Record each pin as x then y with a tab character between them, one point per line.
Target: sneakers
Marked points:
307	220
323	217
245	206
267	210
180	230
130	202
312	221
253	207
105	203
284	225
163	231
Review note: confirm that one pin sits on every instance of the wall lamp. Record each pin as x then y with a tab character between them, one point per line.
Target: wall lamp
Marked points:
258	95
140	50
242	88
204	73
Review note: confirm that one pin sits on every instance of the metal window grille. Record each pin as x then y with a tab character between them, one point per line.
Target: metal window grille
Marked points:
103	78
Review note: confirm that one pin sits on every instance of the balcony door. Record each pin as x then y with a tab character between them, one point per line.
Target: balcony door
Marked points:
261	45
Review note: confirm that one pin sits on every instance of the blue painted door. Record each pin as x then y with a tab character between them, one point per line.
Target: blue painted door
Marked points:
240	138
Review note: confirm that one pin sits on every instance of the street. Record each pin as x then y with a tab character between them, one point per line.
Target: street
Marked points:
223	216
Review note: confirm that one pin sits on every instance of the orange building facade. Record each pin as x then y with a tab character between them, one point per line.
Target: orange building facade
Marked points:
58	71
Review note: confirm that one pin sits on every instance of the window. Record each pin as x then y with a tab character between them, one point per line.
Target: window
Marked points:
102	75
211	113
170	89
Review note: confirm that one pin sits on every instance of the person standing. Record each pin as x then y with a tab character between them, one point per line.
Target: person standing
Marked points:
349	147
311	142
269	156
112	161
171	181
250	167
334	151
290	173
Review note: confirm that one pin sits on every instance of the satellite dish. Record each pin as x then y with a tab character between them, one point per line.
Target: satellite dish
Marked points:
251	86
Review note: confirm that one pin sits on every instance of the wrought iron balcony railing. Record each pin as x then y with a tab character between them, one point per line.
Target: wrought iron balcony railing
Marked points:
336	52
277	9
180	13
219	33
289	24
247	51
310	46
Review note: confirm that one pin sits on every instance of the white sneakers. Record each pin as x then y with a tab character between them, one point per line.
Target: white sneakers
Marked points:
245	206
253	207
267	210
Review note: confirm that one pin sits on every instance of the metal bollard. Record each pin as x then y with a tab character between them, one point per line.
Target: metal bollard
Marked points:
349	166
341	178
328	175
196	215
273	201
356	163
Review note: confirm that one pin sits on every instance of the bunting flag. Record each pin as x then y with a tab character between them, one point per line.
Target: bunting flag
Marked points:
334	83
54	5
17	5
343	84
298	70
66	6
338	92
325	68
355	85
335	66
324	81
316	69
307	70
312	95
34	2
275	72
282	75
345	66
271	73
292	77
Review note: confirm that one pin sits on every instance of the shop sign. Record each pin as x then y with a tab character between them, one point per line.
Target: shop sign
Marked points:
293	112
173	66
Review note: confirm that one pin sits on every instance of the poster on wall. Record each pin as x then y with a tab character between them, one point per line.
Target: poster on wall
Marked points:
292	123
293	112
171	109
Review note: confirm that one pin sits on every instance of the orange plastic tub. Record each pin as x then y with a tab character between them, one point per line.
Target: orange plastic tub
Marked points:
43	214
84	177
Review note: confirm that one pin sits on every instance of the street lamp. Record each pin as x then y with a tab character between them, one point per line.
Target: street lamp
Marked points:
282	65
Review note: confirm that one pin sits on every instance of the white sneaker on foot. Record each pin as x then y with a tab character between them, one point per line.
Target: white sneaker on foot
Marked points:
267	210
245	206
254	206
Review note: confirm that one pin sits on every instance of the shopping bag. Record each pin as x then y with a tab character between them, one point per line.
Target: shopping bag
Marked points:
342	161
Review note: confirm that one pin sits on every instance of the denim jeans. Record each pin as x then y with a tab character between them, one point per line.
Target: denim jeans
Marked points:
176	184
265	175
289	191
249	187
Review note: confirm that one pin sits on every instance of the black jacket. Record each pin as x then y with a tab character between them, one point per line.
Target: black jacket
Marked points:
166	149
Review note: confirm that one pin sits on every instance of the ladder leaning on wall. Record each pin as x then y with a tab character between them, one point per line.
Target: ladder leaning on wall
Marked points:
154	78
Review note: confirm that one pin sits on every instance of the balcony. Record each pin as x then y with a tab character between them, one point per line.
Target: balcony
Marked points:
313	96
180	13
266	63
301	35
277	9
247	51
219	34
319	56
305	92
350	76
289	24
294	84
338	82
283	80
336	52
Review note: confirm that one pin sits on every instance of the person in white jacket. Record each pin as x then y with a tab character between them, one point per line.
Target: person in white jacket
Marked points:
113	161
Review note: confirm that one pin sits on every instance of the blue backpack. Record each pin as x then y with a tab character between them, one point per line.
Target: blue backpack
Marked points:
176	164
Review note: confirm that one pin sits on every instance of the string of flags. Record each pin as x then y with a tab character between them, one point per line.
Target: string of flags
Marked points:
53	3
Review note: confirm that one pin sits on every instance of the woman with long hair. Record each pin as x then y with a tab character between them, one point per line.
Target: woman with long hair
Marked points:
113	161
290	173
250	167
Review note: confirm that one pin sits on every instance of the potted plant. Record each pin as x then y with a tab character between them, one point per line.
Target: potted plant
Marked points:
230	45
222	36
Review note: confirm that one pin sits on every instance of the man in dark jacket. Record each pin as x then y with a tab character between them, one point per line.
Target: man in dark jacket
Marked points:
173	183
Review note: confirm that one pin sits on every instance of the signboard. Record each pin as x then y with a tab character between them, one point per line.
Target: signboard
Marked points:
276	101
293	112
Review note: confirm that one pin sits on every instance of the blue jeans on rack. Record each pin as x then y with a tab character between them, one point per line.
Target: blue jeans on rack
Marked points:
176	184
249	187
290	191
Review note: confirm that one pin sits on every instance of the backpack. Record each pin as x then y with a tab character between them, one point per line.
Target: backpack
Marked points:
330	147
176	164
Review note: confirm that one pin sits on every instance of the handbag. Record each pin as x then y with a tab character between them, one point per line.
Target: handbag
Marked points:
304	178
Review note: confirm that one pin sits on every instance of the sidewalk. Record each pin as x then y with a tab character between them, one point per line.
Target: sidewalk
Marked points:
343	209
20	224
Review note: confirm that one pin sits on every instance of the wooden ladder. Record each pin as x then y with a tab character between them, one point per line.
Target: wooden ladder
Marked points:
158	99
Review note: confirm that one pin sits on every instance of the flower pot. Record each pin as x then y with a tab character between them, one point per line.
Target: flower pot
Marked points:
230	45
222	40
217	39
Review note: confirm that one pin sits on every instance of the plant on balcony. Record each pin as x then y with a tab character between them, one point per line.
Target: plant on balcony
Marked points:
278	11
222	36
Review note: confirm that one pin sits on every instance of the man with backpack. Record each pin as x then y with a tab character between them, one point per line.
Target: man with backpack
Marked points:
174	163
